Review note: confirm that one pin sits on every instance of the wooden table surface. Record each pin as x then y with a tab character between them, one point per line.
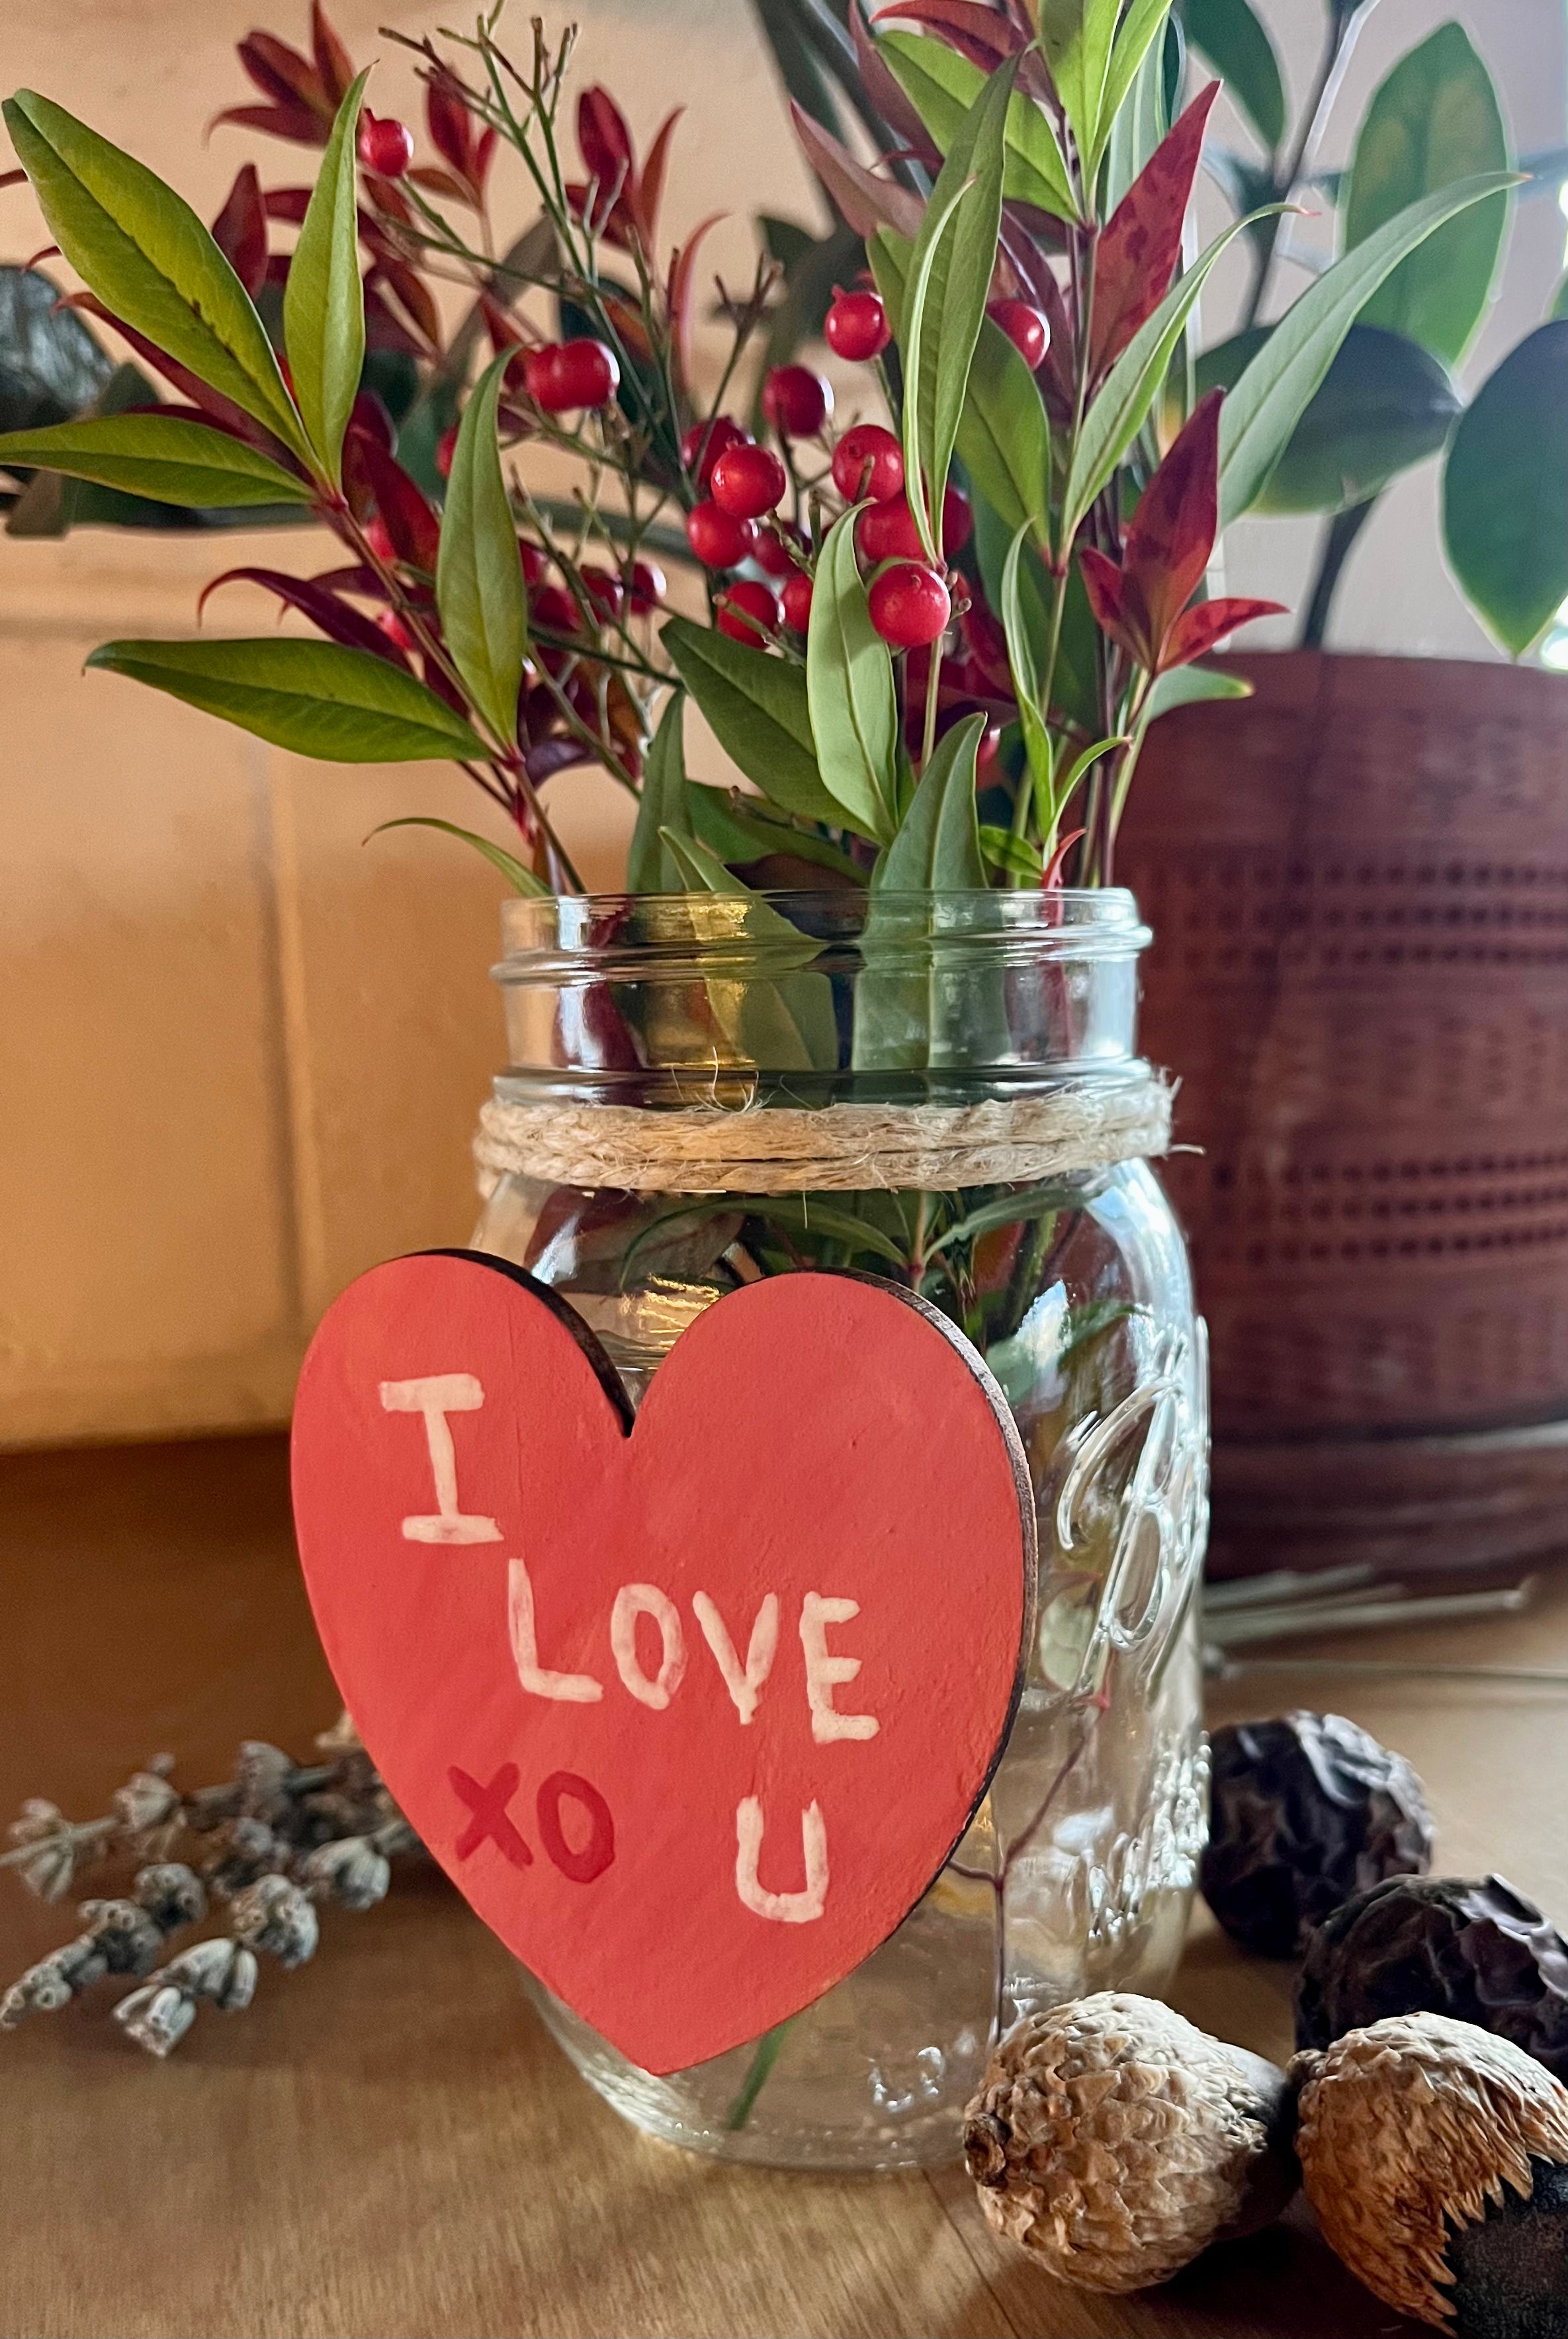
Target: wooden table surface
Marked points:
386	2143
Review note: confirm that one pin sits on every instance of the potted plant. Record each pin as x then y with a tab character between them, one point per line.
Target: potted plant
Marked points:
874	1012
1374	1068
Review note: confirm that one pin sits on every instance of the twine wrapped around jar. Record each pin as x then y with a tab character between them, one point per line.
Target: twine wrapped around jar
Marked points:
1080	1125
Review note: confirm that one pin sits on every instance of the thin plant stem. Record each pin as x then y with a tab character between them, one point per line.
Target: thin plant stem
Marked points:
765	2056
1339	541
932	681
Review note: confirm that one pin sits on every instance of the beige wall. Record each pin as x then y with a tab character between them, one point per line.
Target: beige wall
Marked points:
240	1051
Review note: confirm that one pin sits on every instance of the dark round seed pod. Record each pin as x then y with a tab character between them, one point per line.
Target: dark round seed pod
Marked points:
1469	1947
1304	1811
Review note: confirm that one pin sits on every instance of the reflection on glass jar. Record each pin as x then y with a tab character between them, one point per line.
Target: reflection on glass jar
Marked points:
1077	1871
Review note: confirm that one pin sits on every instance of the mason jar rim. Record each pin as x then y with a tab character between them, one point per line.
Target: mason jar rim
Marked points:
543	934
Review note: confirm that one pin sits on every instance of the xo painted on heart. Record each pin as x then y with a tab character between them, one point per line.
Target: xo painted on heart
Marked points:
691	1711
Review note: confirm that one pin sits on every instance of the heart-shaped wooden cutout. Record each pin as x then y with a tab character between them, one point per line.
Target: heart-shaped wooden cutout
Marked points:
692	1712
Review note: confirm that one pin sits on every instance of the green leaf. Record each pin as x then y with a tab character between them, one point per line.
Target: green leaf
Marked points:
1076	38
663	805
1505	490
806	1215
1186	685
785	1025
1384	404
850	689
1015	856
949	276
347	706
478	573
1260	414
740	828
1007	1211
517	873
1003	435
1432	122
937	848
166	458
1135	109
758	709
1233	38
1022	636
1123	400
942	87
136	244
323	302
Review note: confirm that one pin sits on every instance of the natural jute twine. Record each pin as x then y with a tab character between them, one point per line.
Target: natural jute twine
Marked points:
1084	1124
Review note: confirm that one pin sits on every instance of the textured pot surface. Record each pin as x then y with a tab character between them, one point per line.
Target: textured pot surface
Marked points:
1358	886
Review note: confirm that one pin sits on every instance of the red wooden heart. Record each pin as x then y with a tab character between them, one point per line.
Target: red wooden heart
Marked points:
691	1715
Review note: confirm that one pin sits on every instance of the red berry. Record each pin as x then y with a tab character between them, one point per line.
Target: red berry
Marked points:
704	442
909	604
857	327
796	599
746	598
718	537
602	591
389	623
796	401
553	610
385	144
445	448
533	560
868	461
777	551
887	532
567	374
748	480
648	589
1025	328
377	536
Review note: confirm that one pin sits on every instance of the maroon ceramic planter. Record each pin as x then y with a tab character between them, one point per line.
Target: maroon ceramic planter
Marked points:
1358	886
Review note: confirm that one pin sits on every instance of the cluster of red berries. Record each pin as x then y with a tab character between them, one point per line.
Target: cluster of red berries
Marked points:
385	144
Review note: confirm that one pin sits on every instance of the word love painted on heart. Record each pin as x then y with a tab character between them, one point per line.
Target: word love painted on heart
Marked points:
444	1394
691	1707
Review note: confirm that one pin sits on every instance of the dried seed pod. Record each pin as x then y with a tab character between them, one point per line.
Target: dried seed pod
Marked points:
1115	2141
350	1870
274	1916
172	1894
1305	1811
158	2016
145	1801
1437	2159
1468	1947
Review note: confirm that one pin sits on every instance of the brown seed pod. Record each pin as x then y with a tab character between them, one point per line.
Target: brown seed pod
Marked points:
1115	2141
1412	2136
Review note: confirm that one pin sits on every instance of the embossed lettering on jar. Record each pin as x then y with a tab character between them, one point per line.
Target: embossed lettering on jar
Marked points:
638	1027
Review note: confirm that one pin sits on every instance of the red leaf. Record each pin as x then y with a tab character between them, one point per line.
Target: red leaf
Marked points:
280	71
11	178
384	329
683	264
976	32
1201	628
441	182
1172	531
313	598
1138	251
864	202
334	66
502	329
484	155
884	90
603	142
448	117
1051	875
240	229
295	122
414	294
409	521
1106	587
650	185
286	203
370	416
438	679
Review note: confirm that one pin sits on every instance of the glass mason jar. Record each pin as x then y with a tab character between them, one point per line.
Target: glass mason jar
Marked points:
1078	1868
